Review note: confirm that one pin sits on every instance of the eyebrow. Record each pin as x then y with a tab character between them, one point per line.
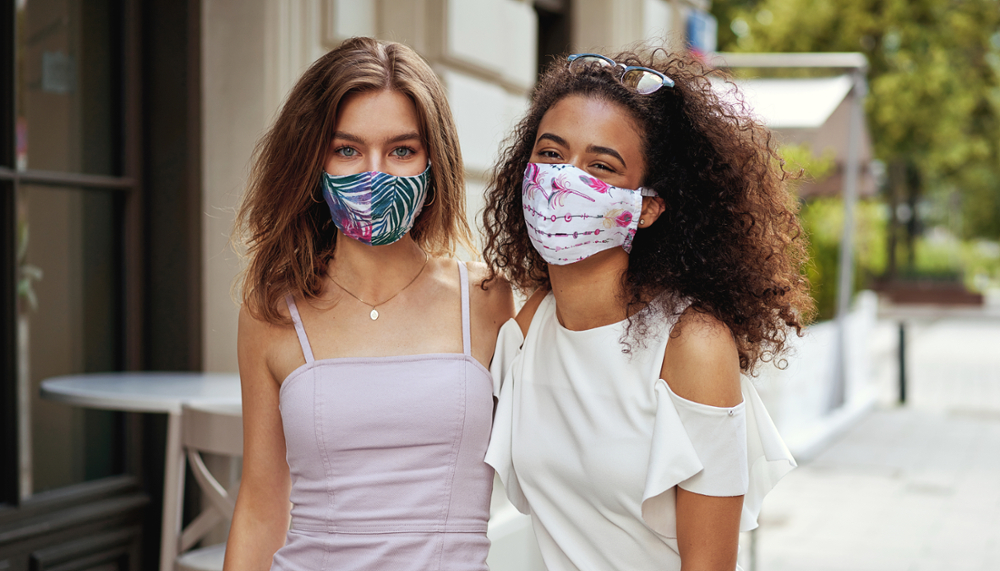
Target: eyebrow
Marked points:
554	138
606	151
410	136
596	149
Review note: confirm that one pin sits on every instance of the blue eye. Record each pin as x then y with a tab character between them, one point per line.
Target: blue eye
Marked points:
403	151
347	152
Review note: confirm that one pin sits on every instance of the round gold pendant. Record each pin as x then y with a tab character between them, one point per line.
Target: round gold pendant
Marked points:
374	314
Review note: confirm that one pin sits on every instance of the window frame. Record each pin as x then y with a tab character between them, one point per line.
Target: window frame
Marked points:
129	184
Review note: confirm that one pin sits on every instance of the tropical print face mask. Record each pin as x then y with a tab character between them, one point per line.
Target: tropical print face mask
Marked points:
374	207
571	215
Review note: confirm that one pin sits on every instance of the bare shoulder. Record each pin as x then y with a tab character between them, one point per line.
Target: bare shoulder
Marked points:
701	362
498	287
494	296
255	337
529	308
252	330
266	351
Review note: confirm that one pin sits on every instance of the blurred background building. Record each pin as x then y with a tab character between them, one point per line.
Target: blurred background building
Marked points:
126	129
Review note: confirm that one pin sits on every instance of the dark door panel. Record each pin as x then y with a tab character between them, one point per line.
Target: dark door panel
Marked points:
96	525
116	550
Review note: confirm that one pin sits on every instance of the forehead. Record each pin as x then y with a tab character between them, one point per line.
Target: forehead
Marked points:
583	121
377	110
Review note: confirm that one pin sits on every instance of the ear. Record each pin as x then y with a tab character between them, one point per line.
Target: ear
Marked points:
652	208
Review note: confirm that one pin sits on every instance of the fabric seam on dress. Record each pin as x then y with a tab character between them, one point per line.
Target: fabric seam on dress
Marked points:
464	401
702	407
324	453
326	551
360	529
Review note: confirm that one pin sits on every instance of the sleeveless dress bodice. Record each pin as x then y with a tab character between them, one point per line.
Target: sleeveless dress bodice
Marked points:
386	456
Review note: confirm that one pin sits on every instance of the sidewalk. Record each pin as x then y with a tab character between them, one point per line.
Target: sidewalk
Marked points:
912	488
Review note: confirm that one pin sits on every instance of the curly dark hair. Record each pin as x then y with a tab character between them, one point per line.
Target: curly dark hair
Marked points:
729	239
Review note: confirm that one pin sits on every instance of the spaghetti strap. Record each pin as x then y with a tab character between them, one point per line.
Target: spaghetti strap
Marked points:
466	327
299	329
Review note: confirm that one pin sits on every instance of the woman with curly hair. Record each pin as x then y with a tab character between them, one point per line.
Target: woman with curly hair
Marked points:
362	347
649	221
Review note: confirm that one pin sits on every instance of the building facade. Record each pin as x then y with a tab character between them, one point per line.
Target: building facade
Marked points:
486	52
126	130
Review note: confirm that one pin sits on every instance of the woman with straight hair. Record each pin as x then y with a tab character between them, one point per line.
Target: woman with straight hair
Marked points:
363	345
648	221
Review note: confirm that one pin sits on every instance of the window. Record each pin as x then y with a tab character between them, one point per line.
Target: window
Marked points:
68	193
553	30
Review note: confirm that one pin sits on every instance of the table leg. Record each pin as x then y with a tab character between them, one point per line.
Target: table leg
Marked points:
173	493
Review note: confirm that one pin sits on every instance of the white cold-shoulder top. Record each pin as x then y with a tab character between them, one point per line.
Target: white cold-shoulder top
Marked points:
592	443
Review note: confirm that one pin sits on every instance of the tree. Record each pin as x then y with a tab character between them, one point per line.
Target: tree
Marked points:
934	91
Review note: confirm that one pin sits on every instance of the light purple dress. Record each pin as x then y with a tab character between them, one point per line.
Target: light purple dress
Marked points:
387	460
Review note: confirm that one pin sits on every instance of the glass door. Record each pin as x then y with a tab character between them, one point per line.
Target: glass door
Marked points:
68	127
70	210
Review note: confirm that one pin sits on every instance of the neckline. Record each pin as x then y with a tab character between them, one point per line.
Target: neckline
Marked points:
561	327
619	324
297	373
466	317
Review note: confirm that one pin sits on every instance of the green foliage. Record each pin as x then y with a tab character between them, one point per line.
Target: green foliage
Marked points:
27	273
800	157
934	81
939	254
823	220
976	262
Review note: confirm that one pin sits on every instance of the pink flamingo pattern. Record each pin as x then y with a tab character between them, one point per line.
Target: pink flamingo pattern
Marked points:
532	181
618	217
596	184
571	215
561	188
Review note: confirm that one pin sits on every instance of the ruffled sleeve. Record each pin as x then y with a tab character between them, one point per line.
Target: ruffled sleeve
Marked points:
711	451
506	360
769	458
509	342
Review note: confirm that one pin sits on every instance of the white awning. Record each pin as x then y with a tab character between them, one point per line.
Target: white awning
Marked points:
810	111
805	103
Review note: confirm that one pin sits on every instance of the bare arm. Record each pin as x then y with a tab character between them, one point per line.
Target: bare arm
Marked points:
702	365
260	521
491	308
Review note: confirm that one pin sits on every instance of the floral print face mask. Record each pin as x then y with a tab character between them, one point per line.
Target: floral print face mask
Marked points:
374	207
571	215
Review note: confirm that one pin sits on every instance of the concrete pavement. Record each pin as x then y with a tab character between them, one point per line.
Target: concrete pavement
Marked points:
912	488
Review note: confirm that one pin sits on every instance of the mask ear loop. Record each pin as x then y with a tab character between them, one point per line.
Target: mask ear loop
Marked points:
647	192
433	188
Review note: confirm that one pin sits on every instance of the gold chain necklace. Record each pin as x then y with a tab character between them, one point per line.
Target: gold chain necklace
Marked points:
374	313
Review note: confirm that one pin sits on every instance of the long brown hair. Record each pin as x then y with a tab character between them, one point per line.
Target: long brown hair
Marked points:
729	239
283	221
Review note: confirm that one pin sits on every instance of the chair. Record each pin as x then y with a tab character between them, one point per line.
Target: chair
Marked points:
208	430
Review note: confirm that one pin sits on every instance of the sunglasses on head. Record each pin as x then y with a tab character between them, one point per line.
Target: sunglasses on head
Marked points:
642	79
